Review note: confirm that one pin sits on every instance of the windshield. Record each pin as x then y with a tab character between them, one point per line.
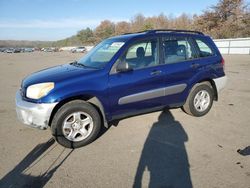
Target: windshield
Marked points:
99	56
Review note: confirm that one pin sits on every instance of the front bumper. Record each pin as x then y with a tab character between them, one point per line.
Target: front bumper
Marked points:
33	114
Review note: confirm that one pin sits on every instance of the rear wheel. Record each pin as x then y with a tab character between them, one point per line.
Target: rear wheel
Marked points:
200	100
76	124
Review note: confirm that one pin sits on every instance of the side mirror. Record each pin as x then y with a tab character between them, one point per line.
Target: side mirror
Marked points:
123	66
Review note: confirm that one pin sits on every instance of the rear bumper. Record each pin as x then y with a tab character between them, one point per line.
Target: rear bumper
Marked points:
33	114
220	83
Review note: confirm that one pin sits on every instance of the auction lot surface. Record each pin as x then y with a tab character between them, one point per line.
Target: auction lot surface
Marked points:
161	149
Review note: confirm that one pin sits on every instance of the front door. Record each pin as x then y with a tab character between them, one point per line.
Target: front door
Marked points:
140	88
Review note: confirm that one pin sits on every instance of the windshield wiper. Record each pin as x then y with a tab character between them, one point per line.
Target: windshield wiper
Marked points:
76	63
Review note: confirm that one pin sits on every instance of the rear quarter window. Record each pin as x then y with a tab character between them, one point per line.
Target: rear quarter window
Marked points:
204	49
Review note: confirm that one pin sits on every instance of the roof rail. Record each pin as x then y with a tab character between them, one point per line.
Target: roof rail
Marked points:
173	30
136	32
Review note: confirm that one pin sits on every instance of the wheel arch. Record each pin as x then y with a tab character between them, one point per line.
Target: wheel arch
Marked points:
212	83
208	81
93	100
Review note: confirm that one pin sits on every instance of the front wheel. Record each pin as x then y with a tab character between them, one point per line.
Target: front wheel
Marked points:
200	100
76	124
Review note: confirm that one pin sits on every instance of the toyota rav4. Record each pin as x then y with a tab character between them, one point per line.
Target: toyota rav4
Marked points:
123	76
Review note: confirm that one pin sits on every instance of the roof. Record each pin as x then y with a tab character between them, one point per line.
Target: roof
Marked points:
128	36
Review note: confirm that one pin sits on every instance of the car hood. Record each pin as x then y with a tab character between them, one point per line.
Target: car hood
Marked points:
56	74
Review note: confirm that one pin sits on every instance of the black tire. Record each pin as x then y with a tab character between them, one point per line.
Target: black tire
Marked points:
189	106
65	111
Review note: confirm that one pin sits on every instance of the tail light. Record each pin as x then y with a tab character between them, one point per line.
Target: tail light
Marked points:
223	62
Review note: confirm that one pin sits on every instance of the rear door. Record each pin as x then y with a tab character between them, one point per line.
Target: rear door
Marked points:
181	63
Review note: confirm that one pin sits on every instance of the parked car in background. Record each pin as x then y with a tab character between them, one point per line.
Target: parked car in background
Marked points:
28	49
17	50
49	49
13	50
2	49
80	49
9	50
123	76
67	48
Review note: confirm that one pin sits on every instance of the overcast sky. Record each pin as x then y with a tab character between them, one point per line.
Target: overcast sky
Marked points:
58	19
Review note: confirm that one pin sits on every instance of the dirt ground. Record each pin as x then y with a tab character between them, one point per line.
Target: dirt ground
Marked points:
161	149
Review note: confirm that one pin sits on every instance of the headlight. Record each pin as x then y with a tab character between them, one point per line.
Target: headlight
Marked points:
38	91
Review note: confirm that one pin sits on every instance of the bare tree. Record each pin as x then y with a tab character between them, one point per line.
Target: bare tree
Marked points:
137	23
229	18
104	30
122	27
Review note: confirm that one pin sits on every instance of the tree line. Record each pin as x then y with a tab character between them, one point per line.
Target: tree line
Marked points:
226	19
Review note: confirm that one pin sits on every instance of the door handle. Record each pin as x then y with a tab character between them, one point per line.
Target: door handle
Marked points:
156	72
194	65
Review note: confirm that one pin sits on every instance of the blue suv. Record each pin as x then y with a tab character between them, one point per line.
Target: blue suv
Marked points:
123	76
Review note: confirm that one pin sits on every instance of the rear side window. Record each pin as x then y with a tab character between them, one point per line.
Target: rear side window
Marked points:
177	49
204	49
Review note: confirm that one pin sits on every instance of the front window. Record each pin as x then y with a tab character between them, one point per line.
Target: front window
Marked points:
99	56
143	54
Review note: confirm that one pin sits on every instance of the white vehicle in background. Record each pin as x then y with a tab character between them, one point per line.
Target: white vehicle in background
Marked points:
50	49
67	48
88	48
80	49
